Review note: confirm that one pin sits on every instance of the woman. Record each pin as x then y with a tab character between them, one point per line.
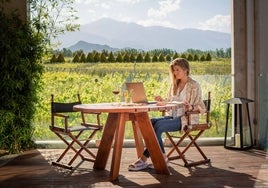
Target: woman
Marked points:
183	89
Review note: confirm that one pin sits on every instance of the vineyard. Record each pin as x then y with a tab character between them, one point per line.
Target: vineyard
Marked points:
94	82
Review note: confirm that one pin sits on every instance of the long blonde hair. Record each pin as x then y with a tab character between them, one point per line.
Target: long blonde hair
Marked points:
184	64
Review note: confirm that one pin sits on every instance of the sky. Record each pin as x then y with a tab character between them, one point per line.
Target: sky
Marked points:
179	14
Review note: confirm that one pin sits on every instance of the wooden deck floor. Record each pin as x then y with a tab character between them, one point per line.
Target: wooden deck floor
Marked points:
228	168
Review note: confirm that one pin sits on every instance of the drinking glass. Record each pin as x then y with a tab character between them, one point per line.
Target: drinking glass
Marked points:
116	91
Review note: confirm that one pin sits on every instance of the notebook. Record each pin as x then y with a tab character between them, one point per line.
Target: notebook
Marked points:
139	94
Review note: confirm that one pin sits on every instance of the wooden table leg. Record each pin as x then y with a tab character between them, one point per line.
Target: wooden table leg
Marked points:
106	141
118	143
151	143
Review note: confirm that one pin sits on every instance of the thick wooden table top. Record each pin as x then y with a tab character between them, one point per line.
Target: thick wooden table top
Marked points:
123	107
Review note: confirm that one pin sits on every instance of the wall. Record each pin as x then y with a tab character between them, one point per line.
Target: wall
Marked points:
20	5
261	51
249	61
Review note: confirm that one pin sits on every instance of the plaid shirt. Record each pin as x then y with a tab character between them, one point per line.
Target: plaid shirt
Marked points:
194	97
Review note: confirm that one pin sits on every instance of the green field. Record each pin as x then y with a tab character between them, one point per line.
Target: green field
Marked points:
94	82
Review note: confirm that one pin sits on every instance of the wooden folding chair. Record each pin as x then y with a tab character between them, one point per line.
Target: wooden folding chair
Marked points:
62	114
193	132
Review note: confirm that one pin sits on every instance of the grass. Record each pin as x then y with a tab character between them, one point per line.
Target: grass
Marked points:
94	82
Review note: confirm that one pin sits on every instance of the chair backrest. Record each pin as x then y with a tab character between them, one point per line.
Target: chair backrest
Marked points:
58	108
201	125
207	103
62	107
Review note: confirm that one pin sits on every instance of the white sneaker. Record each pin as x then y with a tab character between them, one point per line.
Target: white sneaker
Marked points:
138	165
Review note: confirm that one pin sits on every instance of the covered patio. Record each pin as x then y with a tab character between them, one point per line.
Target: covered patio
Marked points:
228	168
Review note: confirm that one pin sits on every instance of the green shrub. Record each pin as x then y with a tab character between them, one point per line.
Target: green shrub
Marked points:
20	75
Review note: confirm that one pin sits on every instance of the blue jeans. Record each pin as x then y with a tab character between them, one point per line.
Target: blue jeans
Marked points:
163	124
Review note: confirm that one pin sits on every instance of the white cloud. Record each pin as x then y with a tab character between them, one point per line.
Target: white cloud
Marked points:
220	23
165	7
166	13
105	5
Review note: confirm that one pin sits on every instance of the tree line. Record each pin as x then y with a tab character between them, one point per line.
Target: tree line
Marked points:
133	55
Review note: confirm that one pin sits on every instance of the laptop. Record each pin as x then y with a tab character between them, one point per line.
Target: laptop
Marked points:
139	94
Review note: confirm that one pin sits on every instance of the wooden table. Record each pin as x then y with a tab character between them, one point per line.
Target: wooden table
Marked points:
114	130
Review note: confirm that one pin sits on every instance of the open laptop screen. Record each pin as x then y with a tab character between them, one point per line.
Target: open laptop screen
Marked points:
139	94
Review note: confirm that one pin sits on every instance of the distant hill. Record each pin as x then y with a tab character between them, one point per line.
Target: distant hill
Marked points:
112	34
86	47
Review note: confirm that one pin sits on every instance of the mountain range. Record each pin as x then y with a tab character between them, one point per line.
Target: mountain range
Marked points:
112	35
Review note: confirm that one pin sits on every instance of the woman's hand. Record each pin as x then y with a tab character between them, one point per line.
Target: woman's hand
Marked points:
160	101
188	106
158	98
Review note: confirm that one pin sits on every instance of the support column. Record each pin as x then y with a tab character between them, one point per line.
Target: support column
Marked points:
261	59
21	6
243	53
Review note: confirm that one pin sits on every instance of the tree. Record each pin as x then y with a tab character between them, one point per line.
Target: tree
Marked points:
83	58
176	55
196	58
79	52
50	18
183	55
228	52
76	58
132	57
111	57
90	58
208	57
147	57
67	52
168	57
96	57
126	57
60	58
139	57
190	57
202	58
161	57
220	52
154	58
53	59
119	57
103	57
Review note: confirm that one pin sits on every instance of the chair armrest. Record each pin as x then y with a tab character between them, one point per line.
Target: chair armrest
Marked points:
92	124
195	112
200	126
195	127
61	115
65	117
